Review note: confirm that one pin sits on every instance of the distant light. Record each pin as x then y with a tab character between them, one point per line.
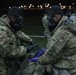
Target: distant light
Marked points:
50	6
64	7
25	6
69	7
38	6
21	6
32	5
73	3
41	6
9	7
47	5
60	4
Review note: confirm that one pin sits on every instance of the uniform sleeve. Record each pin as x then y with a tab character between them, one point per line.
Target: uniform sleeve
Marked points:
56	45
7	49
21	35
45	24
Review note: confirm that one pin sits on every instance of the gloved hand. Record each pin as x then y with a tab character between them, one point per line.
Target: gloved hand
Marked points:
29	49
33	59
40	53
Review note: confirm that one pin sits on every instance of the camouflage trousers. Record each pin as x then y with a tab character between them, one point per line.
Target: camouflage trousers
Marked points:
34	69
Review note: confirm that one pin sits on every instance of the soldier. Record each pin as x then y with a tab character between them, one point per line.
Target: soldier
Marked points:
10	38
49	26
62	45
47	32
61	52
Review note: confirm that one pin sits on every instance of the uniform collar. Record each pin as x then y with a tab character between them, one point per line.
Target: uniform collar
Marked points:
60	22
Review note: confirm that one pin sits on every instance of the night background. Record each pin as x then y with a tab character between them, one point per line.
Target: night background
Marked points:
33	13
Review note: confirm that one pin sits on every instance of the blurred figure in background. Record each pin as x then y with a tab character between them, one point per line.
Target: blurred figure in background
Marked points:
70	11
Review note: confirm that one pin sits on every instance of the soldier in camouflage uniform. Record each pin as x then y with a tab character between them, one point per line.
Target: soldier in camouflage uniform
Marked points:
61	52
10	34
49	27
34	68
47	33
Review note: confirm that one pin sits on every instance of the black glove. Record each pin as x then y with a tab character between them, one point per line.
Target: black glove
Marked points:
29	49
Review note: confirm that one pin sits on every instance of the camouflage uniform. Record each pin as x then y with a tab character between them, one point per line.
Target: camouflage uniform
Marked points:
9	47
23	39
47	33
34	68
61	52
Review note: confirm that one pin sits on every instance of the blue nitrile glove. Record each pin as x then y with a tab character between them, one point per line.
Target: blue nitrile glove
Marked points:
33	59
40	53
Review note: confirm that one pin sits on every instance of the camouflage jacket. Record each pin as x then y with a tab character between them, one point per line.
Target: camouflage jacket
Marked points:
9	46
23	39
62	47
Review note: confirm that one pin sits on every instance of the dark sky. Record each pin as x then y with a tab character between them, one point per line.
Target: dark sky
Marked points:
7	3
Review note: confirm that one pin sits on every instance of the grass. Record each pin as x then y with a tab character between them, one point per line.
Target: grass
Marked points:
41	41
33	26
